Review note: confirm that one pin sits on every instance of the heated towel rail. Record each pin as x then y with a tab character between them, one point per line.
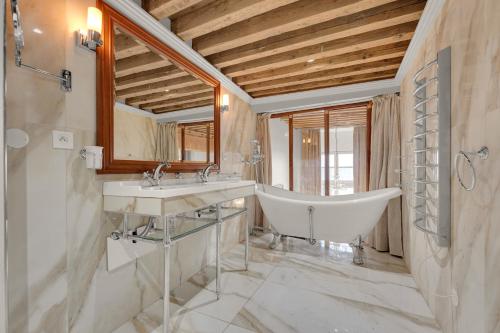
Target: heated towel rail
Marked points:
432	151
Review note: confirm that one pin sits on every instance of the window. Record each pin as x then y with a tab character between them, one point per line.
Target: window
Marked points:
325	150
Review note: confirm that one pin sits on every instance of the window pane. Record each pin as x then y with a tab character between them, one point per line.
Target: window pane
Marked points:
346	174
346	160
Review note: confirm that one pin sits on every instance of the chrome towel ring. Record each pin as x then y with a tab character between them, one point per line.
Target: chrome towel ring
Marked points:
469	158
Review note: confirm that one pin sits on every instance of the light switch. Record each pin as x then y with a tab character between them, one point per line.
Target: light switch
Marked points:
62	140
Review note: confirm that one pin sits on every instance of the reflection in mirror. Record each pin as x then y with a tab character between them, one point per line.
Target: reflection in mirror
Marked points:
162	112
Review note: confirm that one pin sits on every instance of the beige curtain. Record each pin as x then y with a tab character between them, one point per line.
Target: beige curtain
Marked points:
310	180
166	142
360	159
264	169
385	152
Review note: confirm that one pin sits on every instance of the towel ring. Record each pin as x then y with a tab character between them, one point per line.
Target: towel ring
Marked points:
469	157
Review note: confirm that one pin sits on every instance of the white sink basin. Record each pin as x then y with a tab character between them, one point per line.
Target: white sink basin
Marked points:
136	188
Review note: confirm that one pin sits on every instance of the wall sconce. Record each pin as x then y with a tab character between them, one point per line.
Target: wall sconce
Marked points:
225	103
92	39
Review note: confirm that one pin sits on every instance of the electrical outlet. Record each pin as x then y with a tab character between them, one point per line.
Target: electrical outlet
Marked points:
62	140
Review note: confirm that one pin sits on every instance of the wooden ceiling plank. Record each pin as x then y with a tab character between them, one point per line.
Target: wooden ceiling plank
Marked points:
183	106
139	63
373	19
149	76
126	46
327	83
161	9
360	42
162	86
281	20
340	61
371	67
174	101
220	14
173	93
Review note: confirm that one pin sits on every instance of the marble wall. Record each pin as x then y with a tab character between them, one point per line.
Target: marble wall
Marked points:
58	280
134	136
470	267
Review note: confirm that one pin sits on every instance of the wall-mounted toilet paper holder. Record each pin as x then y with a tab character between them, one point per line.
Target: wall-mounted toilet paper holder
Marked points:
93	156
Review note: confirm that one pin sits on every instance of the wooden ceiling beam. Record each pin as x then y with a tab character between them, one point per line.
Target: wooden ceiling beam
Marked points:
173	93
349	59
327	83
354	43
281	20
367	68
184	106
161	86
389	15
178	100
220	14
139	63
126	46
150	76
161	9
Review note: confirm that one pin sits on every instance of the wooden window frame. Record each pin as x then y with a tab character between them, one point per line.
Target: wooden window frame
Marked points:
326	138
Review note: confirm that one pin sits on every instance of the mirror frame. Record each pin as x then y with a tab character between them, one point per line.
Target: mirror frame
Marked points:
105	95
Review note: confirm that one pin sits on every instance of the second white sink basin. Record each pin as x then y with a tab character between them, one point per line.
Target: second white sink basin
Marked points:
137	189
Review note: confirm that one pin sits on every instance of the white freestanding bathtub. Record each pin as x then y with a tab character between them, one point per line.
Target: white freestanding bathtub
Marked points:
340	218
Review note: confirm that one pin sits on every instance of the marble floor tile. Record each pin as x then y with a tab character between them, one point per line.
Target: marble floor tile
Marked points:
309	289
278	308
236	329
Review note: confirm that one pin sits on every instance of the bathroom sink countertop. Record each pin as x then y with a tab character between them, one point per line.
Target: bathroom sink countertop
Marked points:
137	189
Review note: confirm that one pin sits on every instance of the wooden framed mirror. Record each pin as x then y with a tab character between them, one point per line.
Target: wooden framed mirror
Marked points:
152	103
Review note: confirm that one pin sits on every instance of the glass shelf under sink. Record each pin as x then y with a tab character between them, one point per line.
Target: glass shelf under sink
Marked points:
183	225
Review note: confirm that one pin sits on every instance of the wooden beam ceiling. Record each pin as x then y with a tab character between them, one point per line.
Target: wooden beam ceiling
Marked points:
174	101
349	59
173	93
183	106
281	20
271	47
367	68
150	76
327	83
220	14
376	18
166	8
354	43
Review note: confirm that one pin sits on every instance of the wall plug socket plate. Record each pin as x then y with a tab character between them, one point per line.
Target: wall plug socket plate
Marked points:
62	140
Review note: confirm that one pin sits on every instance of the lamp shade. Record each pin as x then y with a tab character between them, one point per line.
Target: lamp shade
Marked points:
94	19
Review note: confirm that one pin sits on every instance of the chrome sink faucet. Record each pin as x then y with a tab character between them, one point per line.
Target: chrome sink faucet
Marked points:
206	172
155	177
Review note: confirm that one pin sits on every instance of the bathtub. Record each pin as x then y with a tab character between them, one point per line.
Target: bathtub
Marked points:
340	218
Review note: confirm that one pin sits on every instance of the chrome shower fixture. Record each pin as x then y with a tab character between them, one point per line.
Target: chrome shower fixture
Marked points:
65	76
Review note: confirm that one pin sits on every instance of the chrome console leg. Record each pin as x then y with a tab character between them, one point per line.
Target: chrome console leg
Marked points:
217	251
247	240
125	226
275	241
357	250
166	284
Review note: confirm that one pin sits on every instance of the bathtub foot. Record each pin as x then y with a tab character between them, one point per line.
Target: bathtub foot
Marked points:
357	250
275	241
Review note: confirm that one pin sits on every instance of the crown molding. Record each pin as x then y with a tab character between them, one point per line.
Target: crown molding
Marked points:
139	16
425	24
